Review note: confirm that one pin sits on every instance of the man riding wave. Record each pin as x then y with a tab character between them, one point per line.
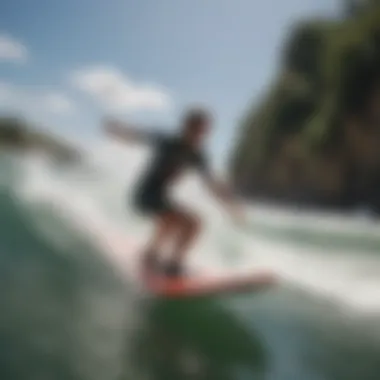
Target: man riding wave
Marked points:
173	154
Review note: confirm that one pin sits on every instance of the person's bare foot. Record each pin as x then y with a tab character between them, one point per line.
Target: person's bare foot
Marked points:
174	270
150	262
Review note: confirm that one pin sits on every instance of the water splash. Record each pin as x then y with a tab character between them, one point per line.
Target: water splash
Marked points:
95	196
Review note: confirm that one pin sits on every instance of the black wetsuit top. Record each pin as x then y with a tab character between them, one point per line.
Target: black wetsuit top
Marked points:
171	157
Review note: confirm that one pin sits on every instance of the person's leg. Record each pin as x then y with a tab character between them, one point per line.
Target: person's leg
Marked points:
164	229
187	228
150	203
173	225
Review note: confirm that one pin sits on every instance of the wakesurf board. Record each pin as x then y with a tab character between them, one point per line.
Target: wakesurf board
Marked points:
206	285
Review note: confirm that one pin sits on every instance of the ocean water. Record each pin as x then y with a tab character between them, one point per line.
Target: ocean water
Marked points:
70	308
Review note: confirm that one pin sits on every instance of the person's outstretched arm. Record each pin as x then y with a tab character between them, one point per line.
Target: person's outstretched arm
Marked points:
225	195
129	133
220	190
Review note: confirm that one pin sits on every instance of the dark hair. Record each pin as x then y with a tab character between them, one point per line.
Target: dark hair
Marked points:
196	116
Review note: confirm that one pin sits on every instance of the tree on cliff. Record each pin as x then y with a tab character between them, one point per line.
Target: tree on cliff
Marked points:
316	131
17	133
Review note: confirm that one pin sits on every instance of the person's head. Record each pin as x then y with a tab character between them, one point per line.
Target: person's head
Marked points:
196	124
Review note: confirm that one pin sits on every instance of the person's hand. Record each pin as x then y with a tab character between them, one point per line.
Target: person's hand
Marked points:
119	130
111	126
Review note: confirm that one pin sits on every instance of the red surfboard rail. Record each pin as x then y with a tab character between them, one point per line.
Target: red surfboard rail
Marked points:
203	285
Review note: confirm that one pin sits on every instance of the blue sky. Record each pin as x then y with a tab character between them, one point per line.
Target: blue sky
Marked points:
58	58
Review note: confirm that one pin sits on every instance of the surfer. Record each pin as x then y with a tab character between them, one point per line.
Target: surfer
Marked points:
173	153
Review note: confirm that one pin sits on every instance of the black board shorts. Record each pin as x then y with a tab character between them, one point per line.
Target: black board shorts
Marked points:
152	203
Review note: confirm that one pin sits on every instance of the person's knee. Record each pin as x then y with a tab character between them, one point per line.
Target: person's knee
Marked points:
191	223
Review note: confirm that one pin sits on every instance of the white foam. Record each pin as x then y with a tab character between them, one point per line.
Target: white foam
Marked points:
95	197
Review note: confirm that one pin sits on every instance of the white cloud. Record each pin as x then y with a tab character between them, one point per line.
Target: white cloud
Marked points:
5	91
26	99
11	49
113	90
58	103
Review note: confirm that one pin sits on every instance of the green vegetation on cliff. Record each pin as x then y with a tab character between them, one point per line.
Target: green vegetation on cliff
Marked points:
315	136
17	134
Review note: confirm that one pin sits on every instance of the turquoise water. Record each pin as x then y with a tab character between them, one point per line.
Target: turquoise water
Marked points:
67	313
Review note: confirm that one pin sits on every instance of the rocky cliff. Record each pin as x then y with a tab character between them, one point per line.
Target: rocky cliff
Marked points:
314	139
17	134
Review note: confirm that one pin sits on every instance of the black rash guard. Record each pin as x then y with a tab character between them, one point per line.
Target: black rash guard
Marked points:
171	157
